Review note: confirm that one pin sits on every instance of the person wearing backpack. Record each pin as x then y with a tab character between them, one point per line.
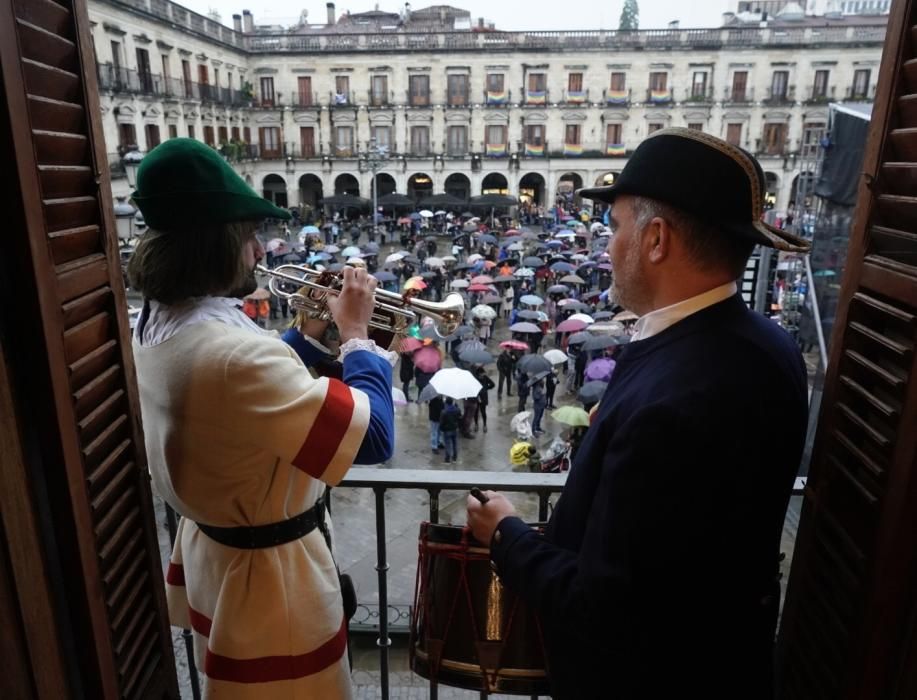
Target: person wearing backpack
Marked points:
449	421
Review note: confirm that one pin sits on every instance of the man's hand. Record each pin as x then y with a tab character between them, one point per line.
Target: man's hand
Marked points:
484	518
352	309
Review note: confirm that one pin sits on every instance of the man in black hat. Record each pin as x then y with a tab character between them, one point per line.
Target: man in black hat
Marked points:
656	576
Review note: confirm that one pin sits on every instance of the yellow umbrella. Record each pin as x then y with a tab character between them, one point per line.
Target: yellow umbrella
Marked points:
571	415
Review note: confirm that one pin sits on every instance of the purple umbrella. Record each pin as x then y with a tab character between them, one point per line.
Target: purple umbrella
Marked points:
600	370
571	325
428	359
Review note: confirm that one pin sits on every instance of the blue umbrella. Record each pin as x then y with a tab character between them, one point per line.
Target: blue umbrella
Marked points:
384	276
487	238
309	229
553	244
563	267
416	215
531	300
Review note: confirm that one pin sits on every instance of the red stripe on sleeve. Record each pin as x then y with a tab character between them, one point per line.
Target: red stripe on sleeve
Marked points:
200	623
276	668
175	575
327	431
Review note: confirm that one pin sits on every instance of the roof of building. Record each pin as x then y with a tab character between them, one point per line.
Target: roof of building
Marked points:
443	18
754	19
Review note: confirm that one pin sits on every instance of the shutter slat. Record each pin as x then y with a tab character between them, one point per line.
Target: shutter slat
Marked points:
42	46
89	396
82	276
60	181
115	572
85	337
49	114
47	15
104	414
83	371
73	243
55	148
100	476
102	501
48	81
70	212
86	307
98	450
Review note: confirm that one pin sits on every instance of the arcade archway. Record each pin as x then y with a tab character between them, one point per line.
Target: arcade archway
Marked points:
346	184
274	188
495	183
420	185
458	185
310	191
531	189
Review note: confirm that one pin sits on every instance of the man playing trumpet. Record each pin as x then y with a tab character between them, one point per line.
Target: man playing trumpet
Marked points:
241	439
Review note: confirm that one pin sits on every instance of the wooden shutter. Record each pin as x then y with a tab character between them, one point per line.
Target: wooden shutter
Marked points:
850	621
65	340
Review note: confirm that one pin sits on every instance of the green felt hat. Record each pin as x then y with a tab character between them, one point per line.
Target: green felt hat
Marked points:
184	181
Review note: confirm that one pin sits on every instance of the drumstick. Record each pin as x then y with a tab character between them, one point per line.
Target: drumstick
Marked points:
477	493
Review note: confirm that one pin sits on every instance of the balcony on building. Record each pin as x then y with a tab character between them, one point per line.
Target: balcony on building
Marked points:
820	95
660	97
700	95
496	150
535	150
860	93
498	98
458	99
616	98
576	98
780	96
738	96
122	80
305	99
418	99
535	98
380	98
340	99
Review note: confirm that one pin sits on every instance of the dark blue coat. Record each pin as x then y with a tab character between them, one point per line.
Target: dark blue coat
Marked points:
656	574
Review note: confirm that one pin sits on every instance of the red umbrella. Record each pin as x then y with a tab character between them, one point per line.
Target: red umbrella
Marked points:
571	325
410	344
514	345
480	288
428	359
482	279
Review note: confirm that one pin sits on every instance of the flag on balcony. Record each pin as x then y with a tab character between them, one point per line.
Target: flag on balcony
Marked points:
532	149
495	150
573	149
615	149
659	96
577	97
496	97
616	97
536	97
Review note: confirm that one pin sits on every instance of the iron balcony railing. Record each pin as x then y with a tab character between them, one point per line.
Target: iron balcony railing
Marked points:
738	96
127	80
780	96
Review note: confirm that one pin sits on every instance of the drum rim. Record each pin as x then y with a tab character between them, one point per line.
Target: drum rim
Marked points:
477	669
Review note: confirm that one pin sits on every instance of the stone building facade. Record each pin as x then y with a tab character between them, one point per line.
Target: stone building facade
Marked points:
531	114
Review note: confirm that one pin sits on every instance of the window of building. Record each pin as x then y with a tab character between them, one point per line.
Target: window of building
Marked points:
779	84
495	82
739	85
203	74
209	136
861	83
269	138
267	92
420	140
229	79
618	82
534	135
699	85
144	73
613	134
572	134
234	132
166	72
304	91
222	135
173	131
342	90
820	86
307	141
653	127
659	81
127	136
575	82
216	80
191	131
343	141
774	139
696	126
537	88
457	143
247	134
457	86
186	78
116	61
496	135
419	89
378	94
734	134
812	133
382	136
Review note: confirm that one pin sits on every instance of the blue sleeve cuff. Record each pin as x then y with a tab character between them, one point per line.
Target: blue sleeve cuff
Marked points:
372	374
310	351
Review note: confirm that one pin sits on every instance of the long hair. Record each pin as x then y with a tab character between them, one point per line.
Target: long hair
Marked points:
200	260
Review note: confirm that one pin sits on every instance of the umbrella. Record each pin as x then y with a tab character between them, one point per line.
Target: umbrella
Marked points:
331	249
472	344
487	238
409	345
405	220
459	284
514	345
524	272
558	289
398	397
428	359
532	261
309	229
415	283
602	315
607	328
529	315
428	274
344	201
504	278
493	200
556	357
426	213
585	318
278	246
456	383
515	247
292	258
475	257
573	304
573	279
600	369
626	316
350	251
393	199
482	279
531	300
479	288
571	325
591	392
483	311
371	248
533	364
524	328
578	338
491	299
474	356
428	393
571	415
563	267
521	424
395	257
442	200
415	215
598	342
434	262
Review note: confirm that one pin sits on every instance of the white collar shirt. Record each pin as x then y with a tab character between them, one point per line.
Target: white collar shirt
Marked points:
657	321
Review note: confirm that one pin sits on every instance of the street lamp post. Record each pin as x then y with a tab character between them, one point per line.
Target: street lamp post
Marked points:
131	161
374	159
124	219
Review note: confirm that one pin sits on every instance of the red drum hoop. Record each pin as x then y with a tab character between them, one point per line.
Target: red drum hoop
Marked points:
467	630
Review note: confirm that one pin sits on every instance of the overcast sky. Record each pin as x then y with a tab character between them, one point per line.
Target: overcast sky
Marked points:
507	15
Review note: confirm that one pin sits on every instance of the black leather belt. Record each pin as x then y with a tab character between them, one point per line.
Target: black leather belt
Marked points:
272	534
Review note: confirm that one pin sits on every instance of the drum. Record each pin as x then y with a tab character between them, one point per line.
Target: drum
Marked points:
468	631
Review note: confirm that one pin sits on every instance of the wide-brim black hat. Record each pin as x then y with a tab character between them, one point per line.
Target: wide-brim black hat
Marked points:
700	174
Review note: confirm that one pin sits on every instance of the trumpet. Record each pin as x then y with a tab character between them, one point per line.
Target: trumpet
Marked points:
392	312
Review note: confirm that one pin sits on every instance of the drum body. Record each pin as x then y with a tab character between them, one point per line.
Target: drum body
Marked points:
467	630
